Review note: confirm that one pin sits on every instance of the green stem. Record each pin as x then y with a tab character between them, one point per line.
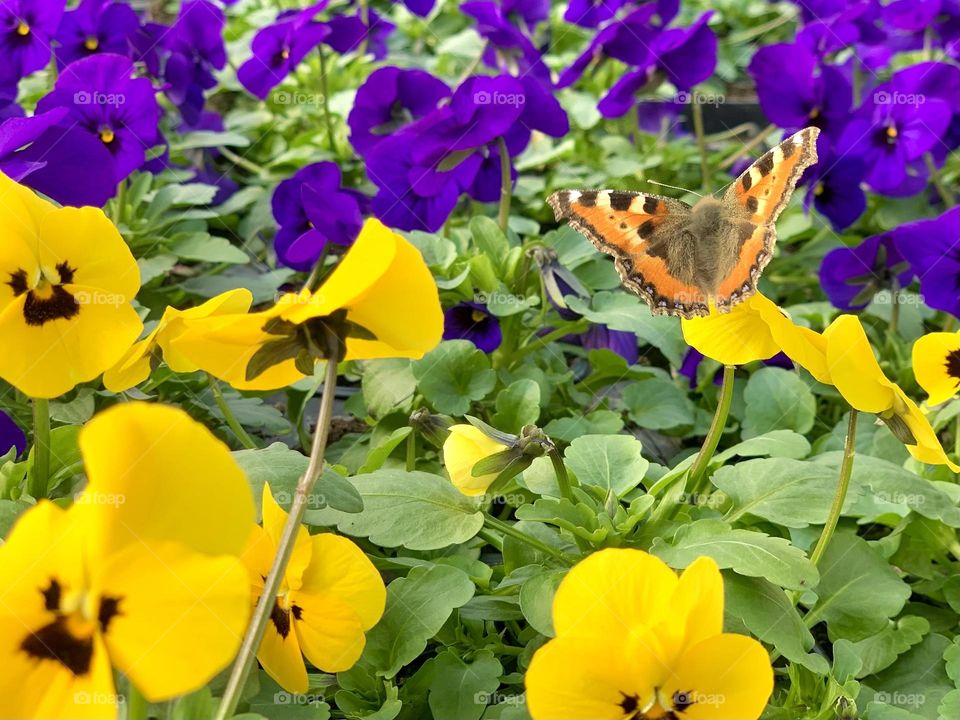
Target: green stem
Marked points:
942	190
232	422
563	479
748	146
412	451
846	469
325	91
41	448
271	585
697	110
508	529
539	342
241	161
137	705
894	309
506	185
709	447
119	203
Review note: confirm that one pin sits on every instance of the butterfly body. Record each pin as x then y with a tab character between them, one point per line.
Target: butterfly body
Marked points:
683	259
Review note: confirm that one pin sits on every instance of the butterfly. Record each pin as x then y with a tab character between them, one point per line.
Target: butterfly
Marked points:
683	259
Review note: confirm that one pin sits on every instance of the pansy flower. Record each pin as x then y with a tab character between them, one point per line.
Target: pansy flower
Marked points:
836	189
140	575
633	640
508	49
195	49
852	276
12	436
931	248
330	595
279	48
463	448
472	321
388	100
27	29
936	365
313	210
590	13
67	281
349	33
108	103
95	26
139	361
856	374
621	342
380	301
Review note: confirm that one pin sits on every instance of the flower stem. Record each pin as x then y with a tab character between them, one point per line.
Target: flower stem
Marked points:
411	451
261	614
846	469
506	184
232	422
563	479
41	448
241	161
699	467
746	147
697	111
508	529
325	91
945	194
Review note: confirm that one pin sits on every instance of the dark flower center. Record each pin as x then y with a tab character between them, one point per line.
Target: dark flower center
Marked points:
953	364
91	43
47	301
886	135
67	639
280	617
680	701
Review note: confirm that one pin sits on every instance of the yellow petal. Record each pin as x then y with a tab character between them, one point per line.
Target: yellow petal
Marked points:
227	303
340	568
698	601
280	654
726	677
52	358
733	338
156	474
612	592
928	448
802	345
464	447
21	214
274	520
329	631
134	367
589	679
936	365
853	367
181	615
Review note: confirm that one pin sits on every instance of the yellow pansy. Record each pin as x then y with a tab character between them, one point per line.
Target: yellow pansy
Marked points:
141	575
464	447
66	282
331	594
381	299
756	329
633	640
936	365
136	364
857	375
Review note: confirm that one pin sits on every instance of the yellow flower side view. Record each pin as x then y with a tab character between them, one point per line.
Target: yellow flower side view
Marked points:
137	576
635	641
381	299
330	596
464	447
66	282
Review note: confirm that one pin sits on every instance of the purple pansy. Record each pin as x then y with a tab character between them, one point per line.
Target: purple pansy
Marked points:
622	342
349	33
931	248
420	8
508	49
95	26
835	189
27	29
196	49
851	277
590	13
11	435
16	135
110	107
472	321
389	99
529	12
312	210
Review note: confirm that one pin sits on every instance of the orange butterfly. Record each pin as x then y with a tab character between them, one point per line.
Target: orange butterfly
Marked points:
680	258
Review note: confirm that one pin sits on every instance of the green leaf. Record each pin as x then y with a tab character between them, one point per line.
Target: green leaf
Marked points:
536	600
658	404
417	510
916	683
517	406
462	690
598	422
454	375
379	454
489	238
209	248
879	651
776	443
388	386
777	399
791	493
10	510
767	612
76	411
747	552
611	462
417	607
858	590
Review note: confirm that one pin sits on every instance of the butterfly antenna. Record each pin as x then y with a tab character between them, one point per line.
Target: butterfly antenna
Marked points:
674	187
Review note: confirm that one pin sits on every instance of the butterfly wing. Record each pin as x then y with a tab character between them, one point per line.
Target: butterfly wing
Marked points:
758	196
635	228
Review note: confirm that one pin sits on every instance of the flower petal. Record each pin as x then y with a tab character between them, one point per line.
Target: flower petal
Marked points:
732	338
936	359
329	631
853	367
464	447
